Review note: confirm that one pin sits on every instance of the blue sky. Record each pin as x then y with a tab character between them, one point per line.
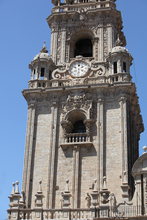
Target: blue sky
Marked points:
23	30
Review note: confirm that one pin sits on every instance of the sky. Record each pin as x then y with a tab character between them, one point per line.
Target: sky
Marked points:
23	29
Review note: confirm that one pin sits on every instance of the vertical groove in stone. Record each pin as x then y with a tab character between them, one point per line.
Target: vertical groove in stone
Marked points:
77	178
101	143
124	137
73	179
75	182
98	146
50	157
30	150
100	149
26	151
52	175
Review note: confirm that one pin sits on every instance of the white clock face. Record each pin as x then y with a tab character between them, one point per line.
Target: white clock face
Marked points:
78	68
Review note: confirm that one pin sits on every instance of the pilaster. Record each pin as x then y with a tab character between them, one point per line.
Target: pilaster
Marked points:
100	147
52	156
75	180
124	145
63	46
29	153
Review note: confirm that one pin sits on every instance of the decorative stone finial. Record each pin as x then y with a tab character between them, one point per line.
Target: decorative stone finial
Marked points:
22	200
145	149
66	186
104	183
95	188
125	177
94	195
118	41
13	189
17	187
44	49
40	187
39	196
66	196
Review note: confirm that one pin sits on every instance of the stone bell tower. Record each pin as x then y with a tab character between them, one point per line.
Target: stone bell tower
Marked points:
84	119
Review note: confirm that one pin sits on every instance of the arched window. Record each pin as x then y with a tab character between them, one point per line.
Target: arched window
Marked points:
79	127
83	47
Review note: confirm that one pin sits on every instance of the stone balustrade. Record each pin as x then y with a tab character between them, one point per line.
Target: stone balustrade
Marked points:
76	138
61	83
123	212
82	5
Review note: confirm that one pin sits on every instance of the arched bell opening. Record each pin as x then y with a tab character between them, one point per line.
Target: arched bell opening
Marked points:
79	127
76	119
75	127
82	44
83	47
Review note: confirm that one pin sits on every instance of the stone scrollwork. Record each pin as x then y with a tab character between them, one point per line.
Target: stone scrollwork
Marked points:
60	73
97	70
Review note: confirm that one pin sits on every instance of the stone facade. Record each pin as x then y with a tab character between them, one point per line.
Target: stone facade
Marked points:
84	119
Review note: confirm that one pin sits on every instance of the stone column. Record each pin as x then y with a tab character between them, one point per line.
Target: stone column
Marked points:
63	47
138	194
52	157
101	44
75	180
96	48
110	38
100	146
28	152
119	67
54	46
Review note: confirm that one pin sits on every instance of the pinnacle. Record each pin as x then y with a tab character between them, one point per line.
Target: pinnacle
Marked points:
44	49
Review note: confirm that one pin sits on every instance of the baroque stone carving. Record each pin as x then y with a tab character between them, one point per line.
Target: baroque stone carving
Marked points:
77	101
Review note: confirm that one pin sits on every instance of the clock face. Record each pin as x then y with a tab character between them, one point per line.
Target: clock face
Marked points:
78	68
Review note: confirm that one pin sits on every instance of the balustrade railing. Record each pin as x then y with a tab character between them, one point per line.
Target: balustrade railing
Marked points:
122	212
93	5
111	79
77	138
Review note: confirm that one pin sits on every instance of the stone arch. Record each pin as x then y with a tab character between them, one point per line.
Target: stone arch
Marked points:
76	114
82	43
74	121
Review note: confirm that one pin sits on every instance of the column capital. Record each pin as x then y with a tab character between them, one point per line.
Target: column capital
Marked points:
31	105
100	100
123	99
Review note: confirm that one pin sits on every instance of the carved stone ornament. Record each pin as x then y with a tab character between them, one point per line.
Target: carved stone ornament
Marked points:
77	101
63	72
97	70
94	195
105	193
88	201
66	196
